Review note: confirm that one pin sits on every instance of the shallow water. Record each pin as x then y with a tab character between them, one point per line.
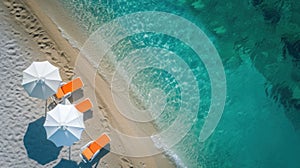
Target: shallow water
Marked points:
256	129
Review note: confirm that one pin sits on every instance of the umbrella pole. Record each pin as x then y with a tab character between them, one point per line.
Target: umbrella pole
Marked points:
69	152
46	108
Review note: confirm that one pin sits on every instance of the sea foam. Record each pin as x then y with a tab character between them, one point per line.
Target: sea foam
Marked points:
168	152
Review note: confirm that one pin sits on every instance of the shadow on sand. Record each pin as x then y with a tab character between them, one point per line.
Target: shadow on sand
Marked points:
87	115
66	164
37	146
104	151
78	94
72	164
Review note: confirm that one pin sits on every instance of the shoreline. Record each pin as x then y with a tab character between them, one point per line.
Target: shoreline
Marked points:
64	55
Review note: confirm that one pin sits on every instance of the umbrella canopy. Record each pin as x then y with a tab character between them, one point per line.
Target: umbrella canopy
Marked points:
64	125
41	79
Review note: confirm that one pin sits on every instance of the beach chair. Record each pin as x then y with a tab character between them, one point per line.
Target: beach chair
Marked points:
89	151
84	106
66	89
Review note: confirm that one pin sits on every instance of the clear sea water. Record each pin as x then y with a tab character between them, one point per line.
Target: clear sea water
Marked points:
256	129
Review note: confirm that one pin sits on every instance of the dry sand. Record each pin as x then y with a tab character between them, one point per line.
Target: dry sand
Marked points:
22	136
28	34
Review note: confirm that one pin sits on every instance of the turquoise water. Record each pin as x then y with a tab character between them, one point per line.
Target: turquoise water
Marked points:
259	126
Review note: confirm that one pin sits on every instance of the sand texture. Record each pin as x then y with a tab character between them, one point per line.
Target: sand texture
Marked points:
28	34
23	139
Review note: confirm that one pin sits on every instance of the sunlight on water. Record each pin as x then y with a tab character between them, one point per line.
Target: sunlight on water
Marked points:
254	130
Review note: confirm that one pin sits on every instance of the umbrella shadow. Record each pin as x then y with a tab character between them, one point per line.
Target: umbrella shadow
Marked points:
94	163
66	164
37	146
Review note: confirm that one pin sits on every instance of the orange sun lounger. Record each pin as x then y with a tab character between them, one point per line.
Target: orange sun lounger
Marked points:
69	87
91	149
84	106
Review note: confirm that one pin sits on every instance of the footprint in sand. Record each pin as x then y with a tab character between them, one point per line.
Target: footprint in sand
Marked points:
11	48
33	27
126	163
105	124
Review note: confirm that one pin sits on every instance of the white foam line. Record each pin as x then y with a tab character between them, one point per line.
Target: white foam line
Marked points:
168	152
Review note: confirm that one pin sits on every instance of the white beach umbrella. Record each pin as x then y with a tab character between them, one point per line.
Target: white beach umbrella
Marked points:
41	80
64	125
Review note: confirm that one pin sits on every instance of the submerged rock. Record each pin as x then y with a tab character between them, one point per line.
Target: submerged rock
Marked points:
292	46
294	49
271	15
256	2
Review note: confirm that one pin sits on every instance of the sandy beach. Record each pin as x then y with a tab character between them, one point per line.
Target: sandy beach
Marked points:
28	34
181	83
